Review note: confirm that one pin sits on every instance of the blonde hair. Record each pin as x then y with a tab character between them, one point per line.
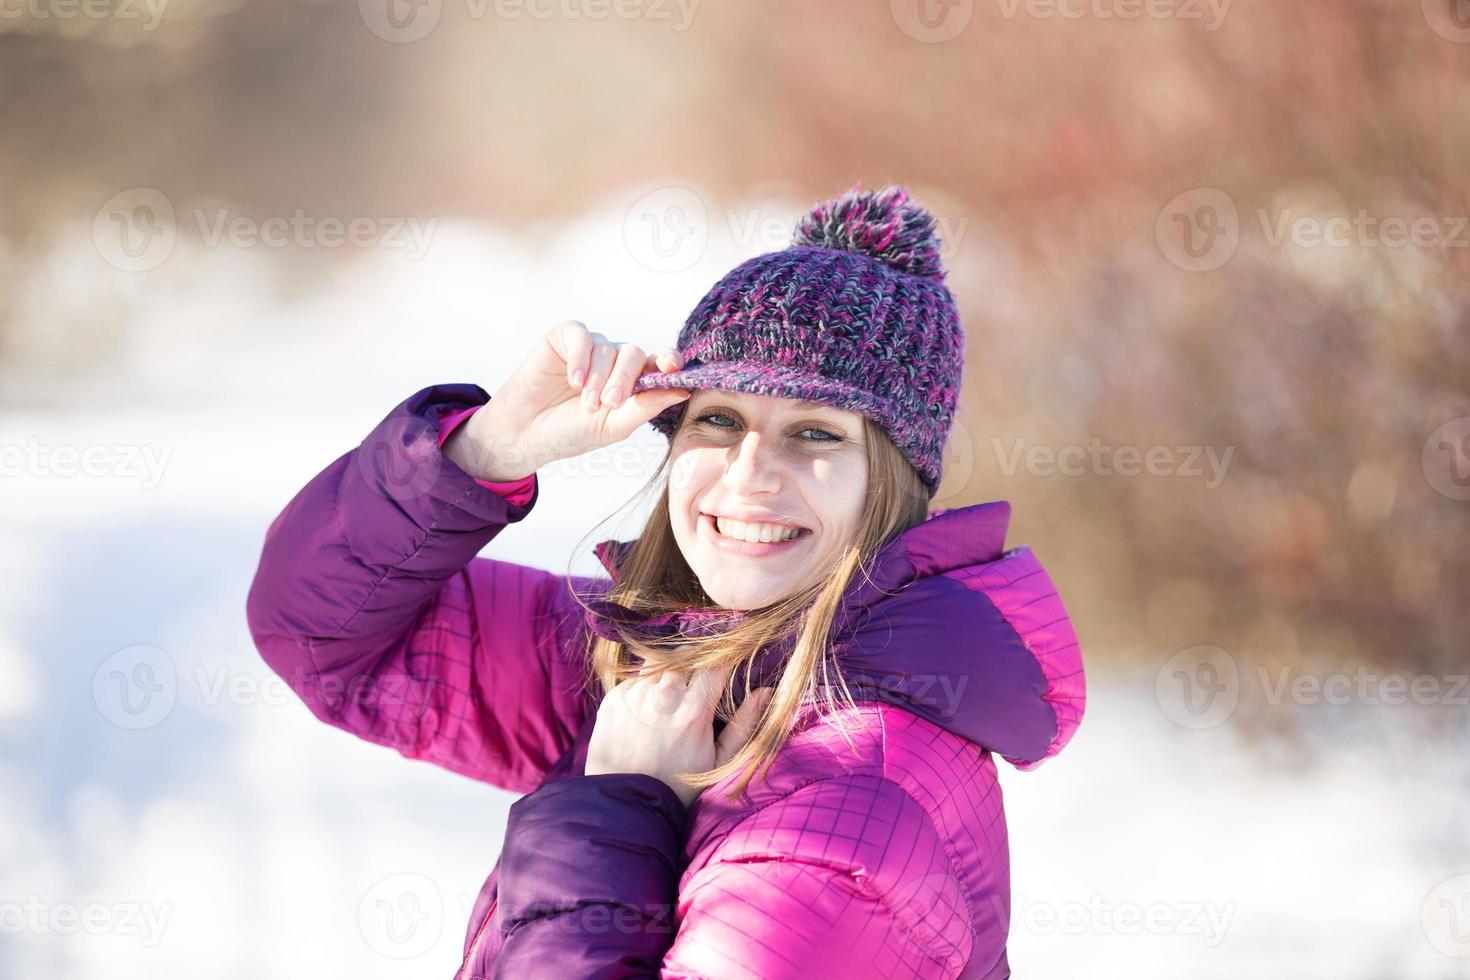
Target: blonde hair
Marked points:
653	579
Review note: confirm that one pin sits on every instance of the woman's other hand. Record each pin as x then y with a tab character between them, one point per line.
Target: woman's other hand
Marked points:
571	395
662	725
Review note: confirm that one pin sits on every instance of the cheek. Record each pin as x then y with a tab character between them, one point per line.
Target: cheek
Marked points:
690	473
841	495
841	484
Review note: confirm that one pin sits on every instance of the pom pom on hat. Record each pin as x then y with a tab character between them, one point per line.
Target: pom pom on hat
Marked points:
883	224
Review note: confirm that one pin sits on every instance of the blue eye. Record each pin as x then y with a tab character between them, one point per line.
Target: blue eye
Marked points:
823	434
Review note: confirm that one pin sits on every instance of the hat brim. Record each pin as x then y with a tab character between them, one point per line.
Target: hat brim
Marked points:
759	379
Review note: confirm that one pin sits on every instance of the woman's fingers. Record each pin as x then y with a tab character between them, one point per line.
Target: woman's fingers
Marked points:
742	724
706	685
606	370
625	370
577	343
664	359
630	365
657	699
604	352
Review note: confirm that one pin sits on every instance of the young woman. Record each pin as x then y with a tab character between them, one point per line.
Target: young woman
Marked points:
762	746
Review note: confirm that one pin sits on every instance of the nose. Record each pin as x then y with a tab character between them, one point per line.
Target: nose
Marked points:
751	467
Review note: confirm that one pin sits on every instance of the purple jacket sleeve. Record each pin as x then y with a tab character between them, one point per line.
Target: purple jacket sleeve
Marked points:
846	876
370	602
588	877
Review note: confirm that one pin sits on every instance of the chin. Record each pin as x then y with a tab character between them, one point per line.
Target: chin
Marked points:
737	596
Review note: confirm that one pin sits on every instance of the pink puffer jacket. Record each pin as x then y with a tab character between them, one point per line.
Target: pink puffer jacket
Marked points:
886	857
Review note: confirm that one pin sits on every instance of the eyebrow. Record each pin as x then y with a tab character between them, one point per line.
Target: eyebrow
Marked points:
802	404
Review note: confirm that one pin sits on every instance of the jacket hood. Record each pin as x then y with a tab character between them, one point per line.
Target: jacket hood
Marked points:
949	625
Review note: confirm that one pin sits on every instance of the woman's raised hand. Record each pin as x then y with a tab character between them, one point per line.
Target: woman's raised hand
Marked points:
572	394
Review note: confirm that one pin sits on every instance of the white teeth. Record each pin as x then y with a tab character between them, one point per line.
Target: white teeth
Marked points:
754	532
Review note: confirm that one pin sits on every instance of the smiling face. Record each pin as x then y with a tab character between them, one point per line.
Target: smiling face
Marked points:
764	493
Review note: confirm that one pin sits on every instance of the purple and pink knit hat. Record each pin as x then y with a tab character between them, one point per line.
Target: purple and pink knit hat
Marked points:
853	314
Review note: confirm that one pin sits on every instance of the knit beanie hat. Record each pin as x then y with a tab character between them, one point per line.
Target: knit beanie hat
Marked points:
853	314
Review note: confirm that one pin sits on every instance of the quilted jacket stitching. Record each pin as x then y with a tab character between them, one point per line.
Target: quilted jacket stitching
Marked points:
956	866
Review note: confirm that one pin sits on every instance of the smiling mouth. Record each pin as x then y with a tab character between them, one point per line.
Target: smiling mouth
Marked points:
754	533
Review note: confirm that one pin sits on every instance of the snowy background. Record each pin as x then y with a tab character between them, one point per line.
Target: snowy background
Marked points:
171	810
